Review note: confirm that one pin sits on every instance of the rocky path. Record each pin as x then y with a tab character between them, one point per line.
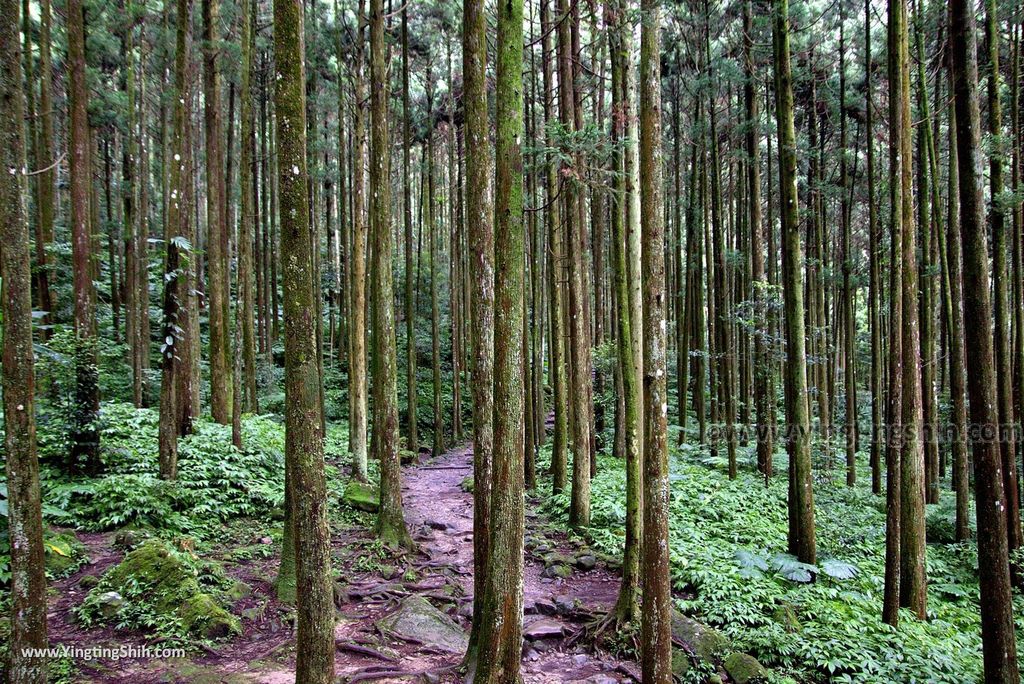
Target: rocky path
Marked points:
399	619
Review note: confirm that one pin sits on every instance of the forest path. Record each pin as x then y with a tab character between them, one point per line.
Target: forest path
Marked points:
564	587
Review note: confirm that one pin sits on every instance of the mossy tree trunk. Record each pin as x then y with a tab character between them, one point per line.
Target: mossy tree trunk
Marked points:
390	522
802	541
627	607
500	638
304	439
24	517
656	633
480	235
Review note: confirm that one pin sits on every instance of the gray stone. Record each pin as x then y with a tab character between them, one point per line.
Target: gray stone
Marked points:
565	604
416	619
556	572
110	604
586	561
543	628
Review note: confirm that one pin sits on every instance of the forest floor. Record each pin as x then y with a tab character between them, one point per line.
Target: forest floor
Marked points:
384	632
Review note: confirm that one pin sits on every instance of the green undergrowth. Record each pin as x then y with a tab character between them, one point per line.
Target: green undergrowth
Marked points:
815	623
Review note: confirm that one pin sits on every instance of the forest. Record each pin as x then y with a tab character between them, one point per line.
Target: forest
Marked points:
511	341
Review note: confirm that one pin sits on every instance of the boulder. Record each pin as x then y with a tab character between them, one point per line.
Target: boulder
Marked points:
744	668
361	496
417	620
128	539
586	561
109	604
556	571
467	484
64	553
703	642
158	580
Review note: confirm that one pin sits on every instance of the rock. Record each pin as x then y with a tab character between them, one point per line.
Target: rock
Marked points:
201	614
543	628
586	562
704	642
436	524
361	496
277	513
466	610
408	457
467	484
416	619
744	668
556	558
64	553
714	679
545	607
565	604
556	572
580	659
159	581
431	677
129	539
88	581
266	541
602	679
531	655
238	591
109	604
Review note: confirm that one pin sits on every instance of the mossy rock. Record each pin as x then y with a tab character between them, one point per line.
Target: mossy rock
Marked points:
154	579
680	662
417	620
703	642
64	553
557	571
164	580
201	614
129	539
88	581
237	591
467	484
361	496
744	668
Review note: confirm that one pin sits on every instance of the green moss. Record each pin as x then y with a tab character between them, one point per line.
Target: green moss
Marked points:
705	643
64	553
361	496
165	591
201	614
743	668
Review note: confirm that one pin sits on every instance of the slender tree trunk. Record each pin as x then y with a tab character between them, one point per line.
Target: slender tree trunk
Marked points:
913	582
24	515
801	498
357	345
85	436
218	290
997	626
247	211
412	442
390	523
481	266
875	272
500	640
656	629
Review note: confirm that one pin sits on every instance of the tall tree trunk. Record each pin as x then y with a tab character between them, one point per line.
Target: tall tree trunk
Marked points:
24	516
304	439
219	287
247	211
656	634
1001	305
481	266
875	270
357	329
801	498
997	626
412	442
500	640
390	522
47	204
913	582
84	433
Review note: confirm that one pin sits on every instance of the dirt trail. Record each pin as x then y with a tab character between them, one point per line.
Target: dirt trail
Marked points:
440	517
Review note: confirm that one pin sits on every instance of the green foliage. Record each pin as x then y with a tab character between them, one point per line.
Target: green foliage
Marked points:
817	622
216	482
